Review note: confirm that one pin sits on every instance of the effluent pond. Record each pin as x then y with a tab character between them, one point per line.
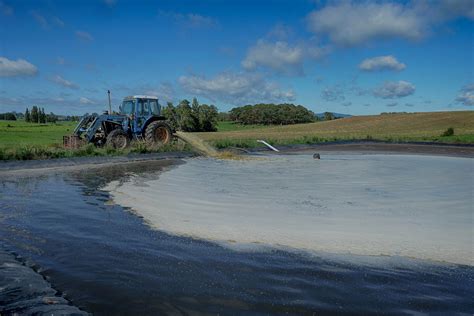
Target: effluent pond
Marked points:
347	234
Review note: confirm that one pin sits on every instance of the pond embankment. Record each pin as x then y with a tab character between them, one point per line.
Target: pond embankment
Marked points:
427	148
23	291
71	164
77	163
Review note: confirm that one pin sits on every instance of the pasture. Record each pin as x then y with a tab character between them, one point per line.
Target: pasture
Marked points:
390	127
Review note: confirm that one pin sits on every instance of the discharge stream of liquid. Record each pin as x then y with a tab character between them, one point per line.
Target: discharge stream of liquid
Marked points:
198	144
396	205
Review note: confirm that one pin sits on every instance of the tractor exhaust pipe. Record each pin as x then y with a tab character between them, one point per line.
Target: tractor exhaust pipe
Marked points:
110	104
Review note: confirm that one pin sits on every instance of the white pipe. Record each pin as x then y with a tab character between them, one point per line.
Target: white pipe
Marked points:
267	144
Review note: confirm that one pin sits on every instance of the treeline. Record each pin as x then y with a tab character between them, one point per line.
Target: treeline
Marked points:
9	116
329	116
37	115
268	114
192	117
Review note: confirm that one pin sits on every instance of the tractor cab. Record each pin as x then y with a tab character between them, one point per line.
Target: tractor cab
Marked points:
140	109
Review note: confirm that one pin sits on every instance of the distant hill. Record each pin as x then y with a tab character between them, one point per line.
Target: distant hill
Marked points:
337	115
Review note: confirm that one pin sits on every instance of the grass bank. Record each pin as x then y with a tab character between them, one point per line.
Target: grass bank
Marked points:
30	152
414	127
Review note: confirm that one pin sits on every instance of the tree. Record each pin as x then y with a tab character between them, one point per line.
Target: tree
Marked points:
191	118
34	114
184	116
267	114
195	114
223	117
42	116
328	116
51	117
9	116
27	116
169	111
207	118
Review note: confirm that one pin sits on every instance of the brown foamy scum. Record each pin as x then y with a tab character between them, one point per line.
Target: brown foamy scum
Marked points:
402	205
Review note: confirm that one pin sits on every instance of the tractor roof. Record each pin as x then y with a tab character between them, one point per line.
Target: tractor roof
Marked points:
133	97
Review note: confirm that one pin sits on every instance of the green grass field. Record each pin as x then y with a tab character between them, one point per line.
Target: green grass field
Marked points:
390	127
25	141
21	140
231	126
15	133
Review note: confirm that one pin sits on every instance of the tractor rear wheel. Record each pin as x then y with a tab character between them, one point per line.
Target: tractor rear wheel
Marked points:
118	139
158	133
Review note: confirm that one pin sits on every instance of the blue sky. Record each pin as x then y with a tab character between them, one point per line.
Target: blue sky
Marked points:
356	57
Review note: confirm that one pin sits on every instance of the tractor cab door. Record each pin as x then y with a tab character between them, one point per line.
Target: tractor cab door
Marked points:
128	109
155	108
142	115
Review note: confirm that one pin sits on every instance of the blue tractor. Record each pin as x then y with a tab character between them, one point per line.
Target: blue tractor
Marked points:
139	118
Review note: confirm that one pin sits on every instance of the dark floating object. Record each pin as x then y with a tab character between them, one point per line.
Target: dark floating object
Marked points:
316	156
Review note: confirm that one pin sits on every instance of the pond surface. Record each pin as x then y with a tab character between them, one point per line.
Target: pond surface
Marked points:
414	206
181	251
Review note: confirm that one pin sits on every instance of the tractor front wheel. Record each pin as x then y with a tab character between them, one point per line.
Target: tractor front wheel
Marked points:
118	139
158	133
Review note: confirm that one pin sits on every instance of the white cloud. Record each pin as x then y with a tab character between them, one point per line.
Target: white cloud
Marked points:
280	56
40	19
394	90
56	104
83	100
381	63
189	20
334	93
164	91
58	21
392	104
448	9
235	88
59	104
46	23
5	9
20	67
466	95
197	20
280	31
9	101
110	3
63	82
350	23
84	36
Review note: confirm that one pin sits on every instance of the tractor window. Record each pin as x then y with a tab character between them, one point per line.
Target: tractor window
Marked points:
128	107
154	107
143	107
